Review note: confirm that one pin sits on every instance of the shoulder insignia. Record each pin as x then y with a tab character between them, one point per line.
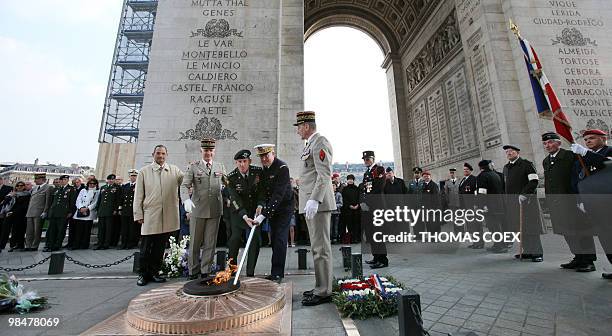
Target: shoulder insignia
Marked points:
322	155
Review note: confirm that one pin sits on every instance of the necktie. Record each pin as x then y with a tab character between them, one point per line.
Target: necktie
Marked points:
208	168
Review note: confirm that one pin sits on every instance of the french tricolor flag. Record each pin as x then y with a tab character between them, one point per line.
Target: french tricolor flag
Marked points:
547	103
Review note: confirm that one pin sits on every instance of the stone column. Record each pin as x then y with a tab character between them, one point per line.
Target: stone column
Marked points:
397	106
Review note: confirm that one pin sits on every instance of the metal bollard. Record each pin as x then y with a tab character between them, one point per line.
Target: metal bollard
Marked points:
302	253
221	259
136	267
56	263
409	313
356	266
346	257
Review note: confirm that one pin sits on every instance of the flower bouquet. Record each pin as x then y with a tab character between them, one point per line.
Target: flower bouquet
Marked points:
14	297
175	261
363	298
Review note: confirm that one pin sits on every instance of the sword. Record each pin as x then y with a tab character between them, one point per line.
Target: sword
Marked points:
244	254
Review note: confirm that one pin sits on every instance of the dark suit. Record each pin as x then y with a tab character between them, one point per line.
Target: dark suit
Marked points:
276	198
430	199
522	179
560	173
372	185
350	218
130	230
243	194
467	188
490	188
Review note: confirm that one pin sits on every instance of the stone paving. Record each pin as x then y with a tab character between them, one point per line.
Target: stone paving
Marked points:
468	290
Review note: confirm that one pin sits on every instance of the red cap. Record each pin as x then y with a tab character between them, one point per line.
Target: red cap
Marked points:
426	173
335	175
593	132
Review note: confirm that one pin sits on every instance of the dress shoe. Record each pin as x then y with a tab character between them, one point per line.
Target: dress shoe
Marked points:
523	256
606	276
308	293
537	259
476	246
274	278
315	300
194	276
11	249
99	247
55	249
203	275
142	280
584	268
571	265
158	279
250	275
370	262
378	265
46	249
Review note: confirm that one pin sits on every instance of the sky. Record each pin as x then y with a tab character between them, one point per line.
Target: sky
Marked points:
56	58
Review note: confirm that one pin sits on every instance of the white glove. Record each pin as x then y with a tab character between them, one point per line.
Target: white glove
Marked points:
485	209
522	199
311	209
364	206
259	219
579	149
580	207
43	215
189	206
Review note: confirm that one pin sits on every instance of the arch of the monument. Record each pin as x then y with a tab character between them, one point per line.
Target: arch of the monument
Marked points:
390	23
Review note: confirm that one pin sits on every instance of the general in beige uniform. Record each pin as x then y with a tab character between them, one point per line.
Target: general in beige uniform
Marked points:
316	202
205	207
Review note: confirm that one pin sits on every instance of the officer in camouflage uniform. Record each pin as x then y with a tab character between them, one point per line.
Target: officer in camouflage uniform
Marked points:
242	190
108	206
63	205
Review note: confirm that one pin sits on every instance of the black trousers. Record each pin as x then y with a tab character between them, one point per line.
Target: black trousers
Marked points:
116	231
279	231
126	222
54	238
352	220
105	230
379	250
80	230
5	232
152	253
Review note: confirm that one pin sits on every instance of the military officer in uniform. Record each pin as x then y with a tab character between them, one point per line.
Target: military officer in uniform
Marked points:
275	204
316	199
63	205
372	185
242	189
521	184
414	187
560	178
594	157
130	230
108	206
204	208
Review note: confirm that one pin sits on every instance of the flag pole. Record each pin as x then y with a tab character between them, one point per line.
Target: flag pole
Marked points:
515	29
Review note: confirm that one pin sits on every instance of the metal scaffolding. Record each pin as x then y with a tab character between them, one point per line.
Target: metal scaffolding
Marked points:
125	91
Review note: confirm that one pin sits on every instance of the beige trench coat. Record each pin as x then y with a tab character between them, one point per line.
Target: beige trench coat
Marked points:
156	198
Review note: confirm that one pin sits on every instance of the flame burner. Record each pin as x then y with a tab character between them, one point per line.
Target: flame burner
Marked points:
171	309
205	287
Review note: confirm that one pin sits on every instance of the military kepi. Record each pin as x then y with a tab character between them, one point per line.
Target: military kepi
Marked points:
417	170
511	147
62	177
264	149
133	172
40	175
242	154
304	116
550	136
367	154
593	132
208	143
